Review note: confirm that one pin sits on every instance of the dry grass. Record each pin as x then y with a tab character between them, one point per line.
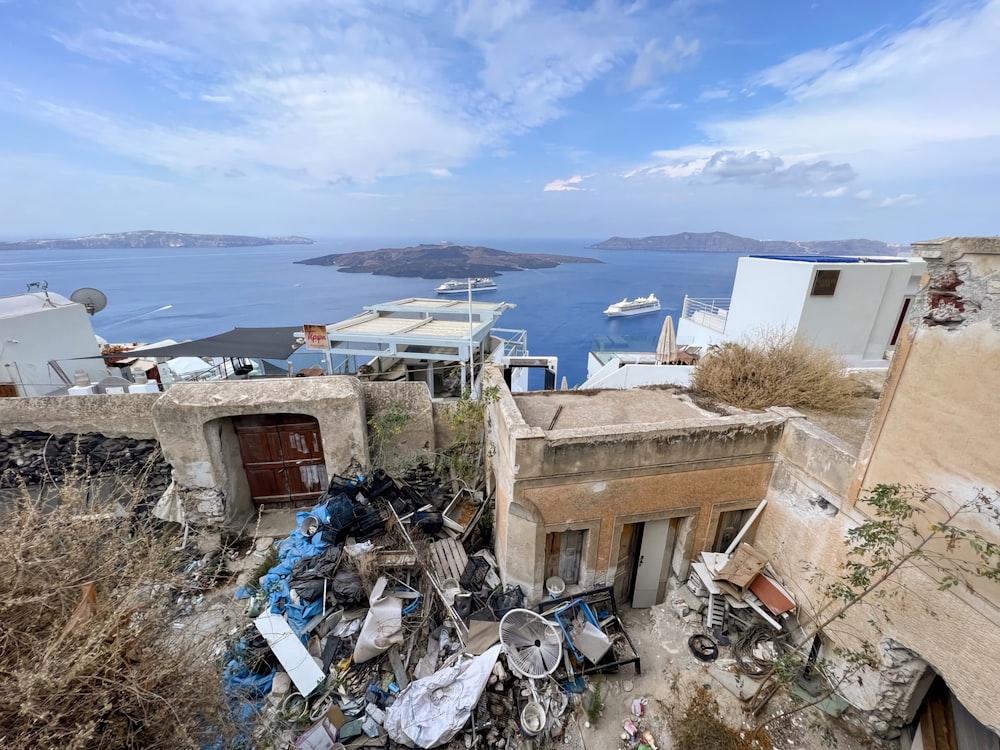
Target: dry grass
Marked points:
773	368
111	675
699	726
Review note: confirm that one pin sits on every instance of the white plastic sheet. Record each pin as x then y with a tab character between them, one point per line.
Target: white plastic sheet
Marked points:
431	711
383	624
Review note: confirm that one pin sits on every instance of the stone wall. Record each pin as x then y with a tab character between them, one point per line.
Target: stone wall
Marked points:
41	458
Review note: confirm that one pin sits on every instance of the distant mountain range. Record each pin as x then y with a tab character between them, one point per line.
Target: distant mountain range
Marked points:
722	242
150	238
440	261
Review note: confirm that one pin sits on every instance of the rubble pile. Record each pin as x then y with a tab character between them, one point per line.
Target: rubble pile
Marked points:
378	627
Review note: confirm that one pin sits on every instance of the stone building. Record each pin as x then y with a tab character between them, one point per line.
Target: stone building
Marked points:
623	488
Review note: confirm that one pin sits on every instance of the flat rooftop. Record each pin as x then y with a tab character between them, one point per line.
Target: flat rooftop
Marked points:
587	409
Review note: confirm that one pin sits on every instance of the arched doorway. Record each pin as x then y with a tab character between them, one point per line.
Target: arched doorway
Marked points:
282	456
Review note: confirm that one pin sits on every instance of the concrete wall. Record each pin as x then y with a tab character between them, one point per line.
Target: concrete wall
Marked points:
123	415
417	438
60	331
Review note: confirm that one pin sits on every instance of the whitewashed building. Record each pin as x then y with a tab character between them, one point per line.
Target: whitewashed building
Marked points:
853	306
43	338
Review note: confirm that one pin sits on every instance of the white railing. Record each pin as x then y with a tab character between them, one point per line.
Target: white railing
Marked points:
707	312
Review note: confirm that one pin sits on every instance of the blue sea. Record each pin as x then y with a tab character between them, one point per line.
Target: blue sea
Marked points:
210	291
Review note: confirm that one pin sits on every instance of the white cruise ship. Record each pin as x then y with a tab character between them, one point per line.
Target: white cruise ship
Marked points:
461	286
637	306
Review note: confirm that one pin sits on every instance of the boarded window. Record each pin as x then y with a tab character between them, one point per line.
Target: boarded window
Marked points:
825	283
563	553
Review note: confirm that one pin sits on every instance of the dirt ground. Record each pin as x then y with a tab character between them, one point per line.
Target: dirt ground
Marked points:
670	673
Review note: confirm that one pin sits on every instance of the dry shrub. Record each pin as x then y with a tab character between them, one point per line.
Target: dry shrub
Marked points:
119	676
700	727
775	368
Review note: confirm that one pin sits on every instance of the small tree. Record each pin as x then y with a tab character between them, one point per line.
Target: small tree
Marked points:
909	528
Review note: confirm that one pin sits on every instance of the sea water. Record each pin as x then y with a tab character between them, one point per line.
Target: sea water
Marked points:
187	293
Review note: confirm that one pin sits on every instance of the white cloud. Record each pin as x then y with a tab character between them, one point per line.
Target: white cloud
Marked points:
863	195
655	61
752	167
877	101
570	183
337	92
713	94
903	199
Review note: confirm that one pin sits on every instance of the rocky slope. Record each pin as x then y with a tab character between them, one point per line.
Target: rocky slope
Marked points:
440	261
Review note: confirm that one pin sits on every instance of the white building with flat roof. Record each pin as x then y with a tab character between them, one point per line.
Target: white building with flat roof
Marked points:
43	340
853	306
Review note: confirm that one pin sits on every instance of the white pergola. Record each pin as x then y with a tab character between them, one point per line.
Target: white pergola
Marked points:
446	331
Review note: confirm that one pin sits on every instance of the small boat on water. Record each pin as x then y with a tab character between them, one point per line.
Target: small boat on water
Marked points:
637	306
461	286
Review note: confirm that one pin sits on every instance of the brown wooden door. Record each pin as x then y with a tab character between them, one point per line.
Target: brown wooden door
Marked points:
8	390
282	456
628	544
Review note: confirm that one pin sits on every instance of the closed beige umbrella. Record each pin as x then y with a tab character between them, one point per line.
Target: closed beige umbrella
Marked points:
666	347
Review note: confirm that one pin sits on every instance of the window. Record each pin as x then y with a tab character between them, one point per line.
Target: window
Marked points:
825	283
563	552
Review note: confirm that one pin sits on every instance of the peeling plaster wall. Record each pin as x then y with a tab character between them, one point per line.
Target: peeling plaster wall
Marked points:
936	426
189	421
959	639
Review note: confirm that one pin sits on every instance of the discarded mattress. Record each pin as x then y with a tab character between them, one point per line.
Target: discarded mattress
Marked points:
432	710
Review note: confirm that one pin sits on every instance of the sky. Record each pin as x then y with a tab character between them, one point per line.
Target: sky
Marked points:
783	119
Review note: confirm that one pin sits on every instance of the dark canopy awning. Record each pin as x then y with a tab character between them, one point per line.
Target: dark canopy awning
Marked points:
263	343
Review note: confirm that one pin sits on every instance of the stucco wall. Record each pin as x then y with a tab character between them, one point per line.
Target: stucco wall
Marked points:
936	426
600	478
190	424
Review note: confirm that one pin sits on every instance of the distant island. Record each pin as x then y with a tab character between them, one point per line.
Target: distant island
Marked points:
722	242
152	239
440	261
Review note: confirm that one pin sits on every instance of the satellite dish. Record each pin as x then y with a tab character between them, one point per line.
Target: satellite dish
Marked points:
92	299
533	644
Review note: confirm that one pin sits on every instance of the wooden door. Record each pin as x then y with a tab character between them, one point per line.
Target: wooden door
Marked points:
8	390
628	543
282	456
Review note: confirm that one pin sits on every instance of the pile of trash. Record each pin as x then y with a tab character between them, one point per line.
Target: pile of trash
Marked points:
376	627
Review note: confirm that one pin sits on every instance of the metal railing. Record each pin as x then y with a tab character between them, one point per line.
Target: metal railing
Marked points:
707	312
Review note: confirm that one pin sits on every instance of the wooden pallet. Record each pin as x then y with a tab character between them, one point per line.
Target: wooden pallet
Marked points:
448	559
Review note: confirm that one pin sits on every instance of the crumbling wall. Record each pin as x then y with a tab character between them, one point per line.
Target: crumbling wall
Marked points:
935	426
